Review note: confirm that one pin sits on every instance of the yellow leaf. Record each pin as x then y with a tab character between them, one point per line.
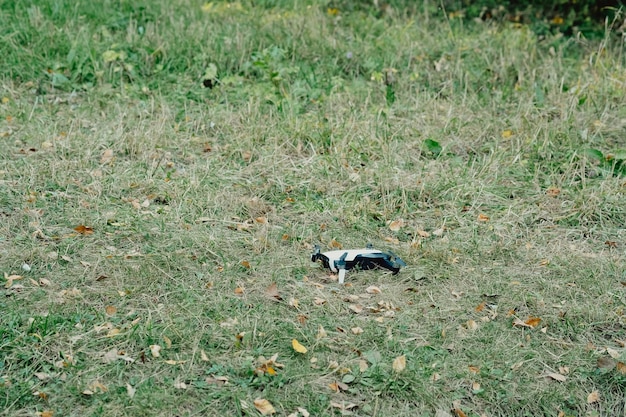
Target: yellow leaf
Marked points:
298	347
168	342
110	310
399	364
264	407
245	264
239	290
507	133
593	397
5	100
483	217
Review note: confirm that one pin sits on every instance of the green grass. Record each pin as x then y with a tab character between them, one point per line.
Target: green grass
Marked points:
329	127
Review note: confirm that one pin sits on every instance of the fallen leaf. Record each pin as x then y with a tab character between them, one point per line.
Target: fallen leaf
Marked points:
614	353
338	386
173	362
42	376
475	386
245	264
556	376
303	411
480	307
298	347
321	333
46	413
272	292
483	217
180	385
356	308
392	240
473	369
10	279
84	230
363	366
423	233
357	330
239	290
507	133
97	386
110	310
261	219
372	289
293	302
553	191
155	351
471	325
435	377
264	407
593	397
604	362
399	364
621	368
345	407
533	321
130	390
335	245
396	225
302	318
107	156
458	412
319	301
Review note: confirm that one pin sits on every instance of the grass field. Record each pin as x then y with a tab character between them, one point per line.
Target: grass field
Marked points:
164	164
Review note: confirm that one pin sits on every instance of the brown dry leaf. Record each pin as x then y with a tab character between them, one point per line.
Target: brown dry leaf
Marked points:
458	412
363	366
480	307
42	376
338	386
203	356
168	342
10	279
302	318
239	290
621	368
423	233
107	156
246	156
84	230
435	377
533	321
334	244
396	225
604	362
298	347
556	376
544	262
344	407
372	289
264	407
399	364
473	369
356	308
46	413
97	386
475	386
593	397
471	325
155	351
294	302
272	292
517	322
110	310
553	191
483	217
113	332
319	301
245	264
392	240
261	219
357	330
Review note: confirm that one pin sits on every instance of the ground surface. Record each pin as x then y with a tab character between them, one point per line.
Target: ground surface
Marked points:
167	167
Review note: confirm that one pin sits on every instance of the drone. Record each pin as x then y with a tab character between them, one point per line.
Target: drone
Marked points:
369	258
